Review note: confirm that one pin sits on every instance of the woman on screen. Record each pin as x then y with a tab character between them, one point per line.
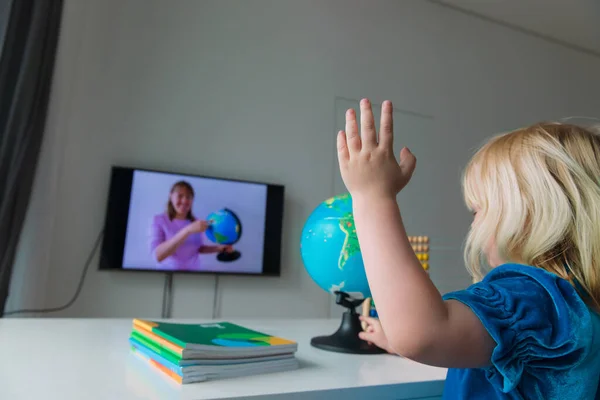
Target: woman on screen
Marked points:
176	235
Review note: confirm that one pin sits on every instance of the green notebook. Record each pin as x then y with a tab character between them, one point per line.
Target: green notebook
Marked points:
166	353
214	340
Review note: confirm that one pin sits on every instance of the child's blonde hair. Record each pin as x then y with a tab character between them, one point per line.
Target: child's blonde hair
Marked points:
538	192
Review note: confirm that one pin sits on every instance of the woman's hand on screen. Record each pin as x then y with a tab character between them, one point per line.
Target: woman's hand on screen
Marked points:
197	226
227	248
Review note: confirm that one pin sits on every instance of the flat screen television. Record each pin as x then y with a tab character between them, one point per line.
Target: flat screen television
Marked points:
165	221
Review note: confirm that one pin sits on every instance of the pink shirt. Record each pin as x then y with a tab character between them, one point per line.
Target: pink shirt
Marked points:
187	254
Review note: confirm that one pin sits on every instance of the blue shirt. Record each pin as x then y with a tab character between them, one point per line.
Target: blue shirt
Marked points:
547	339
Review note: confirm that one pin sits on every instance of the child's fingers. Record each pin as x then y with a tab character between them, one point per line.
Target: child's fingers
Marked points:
352	137
368	133
369	320
366	336
342	147
386	126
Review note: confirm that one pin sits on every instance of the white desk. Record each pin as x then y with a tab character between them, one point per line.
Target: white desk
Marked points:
90	359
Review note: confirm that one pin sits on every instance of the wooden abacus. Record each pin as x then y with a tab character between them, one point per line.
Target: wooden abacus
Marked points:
420	245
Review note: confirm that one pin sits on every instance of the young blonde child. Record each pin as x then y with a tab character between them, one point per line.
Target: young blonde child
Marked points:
530	327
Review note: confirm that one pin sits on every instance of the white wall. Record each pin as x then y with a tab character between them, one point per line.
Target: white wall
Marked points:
176	85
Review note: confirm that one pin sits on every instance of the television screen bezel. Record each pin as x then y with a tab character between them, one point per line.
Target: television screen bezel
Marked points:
117	215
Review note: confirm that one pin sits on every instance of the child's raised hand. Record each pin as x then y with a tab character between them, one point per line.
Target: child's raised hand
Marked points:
373	333
368	166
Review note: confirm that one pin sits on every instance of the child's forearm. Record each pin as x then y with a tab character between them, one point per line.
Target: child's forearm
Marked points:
409	306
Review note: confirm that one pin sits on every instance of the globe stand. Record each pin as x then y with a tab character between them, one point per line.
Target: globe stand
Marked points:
225	256
345	339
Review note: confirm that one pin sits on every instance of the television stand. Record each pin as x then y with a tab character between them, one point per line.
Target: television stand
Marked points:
167	296
167	303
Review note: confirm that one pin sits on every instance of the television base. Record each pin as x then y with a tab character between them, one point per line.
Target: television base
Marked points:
228	256
345	339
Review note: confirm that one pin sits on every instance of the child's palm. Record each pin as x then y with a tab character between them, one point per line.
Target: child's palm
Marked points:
367	163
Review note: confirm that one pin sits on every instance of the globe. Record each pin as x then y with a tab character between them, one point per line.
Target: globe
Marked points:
331	255
330	250
224	228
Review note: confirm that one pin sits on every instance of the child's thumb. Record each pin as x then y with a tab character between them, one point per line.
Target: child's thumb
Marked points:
408	161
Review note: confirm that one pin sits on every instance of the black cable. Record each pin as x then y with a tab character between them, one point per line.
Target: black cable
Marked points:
77	292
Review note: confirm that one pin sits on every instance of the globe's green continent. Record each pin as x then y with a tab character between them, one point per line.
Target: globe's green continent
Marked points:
330	249
350	246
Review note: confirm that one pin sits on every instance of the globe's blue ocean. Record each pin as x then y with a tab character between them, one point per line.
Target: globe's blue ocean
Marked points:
225	227
329	248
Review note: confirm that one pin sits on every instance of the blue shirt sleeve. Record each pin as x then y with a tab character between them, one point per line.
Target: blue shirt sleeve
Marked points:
537	320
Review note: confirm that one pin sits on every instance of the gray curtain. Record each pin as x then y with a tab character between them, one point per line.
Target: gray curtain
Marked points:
29	32
4	13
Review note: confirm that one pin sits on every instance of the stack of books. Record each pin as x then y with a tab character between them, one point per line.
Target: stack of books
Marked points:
191	353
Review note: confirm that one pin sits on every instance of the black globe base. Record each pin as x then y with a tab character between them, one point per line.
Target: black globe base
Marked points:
345	339
228	256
